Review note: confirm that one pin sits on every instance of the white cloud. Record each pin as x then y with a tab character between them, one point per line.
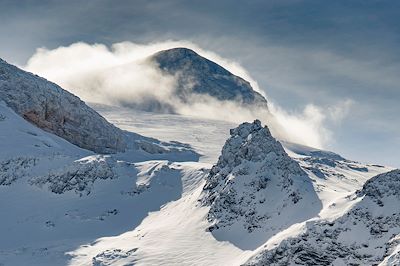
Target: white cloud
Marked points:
339	111
122	75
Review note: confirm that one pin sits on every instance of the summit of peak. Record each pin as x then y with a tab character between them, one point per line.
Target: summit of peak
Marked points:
247	128
178	51
250	142
197	75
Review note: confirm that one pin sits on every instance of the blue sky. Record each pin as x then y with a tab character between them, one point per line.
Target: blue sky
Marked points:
300	52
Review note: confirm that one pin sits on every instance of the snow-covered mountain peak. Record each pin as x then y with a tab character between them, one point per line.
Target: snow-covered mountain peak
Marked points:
252	142
256	189
197	75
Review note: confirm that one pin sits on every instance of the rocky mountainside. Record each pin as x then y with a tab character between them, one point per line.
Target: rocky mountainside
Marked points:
197	75
256	190
56	196
367	234
55	110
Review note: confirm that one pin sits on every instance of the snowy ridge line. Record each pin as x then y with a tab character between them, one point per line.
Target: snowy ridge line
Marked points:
367	234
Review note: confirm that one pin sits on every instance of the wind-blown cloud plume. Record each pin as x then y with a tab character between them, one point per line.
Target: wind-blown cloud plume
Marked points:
123	75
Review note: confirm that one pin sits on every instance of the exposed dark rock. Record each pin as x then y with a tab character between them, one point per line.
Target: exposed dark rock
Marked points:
198	75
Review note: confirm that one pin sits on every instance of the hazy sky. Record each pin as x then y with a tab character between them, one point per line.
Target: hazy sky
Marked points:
300	52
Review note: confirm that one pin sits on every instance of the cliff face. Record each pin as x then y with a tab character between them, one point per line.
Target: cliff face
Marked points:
55	110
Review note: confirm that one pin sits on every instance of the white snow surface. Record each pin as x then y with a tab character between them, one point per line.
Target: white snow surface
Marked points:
63	205
206	136
55	196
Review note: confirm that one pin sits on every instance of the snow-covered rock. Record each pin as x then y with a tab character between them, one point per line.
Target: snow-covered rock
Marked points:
367	234
15	168
256	190
197	75
78	176
55	110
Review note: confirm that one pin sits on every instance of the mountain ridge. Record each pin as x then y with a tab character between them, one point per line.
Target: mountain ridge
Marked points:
55	110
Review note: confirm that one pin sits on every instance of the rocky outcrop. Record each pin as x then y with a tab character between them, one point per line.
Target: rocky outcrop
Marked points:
256	187
365	235
15	168
79	176
55	110
197	75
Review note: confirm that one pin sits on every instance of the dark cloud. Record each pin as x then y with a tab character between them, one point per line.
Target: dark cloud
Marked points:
300	52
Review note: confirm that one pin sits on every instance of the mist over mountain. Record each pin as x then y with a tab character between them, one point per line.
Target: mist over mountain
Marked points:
197	75
124	74
199	133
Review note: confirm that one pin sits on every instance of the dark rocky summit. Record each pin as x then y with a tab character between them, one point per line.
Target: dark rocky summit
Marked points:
197	75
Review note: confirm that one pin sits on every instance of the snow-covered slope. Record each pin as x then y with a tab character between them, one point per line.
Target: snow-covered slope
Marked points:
179	233
55	110
175	235
204	135
197	75
364	235
19	137
45	217
302	150
55	196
